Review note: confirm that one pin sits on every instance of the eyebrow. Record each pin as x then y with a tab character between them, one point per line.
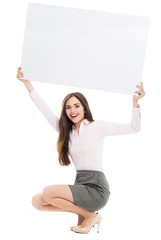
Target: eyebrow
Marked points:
74	104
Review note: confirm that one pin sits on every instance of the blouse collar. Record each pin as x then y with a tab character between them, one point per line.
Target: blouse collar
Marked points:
85	121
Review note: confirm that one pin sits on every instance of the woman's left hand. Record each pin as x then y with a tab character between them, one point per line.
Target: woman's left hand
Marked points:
141	93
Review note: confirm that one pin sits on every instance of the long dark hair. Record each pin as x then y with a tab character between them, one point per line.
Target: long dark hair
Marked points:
65	126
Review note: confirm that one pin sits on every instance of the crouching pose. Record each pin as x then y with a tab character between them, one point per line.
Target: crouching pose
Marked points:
81	138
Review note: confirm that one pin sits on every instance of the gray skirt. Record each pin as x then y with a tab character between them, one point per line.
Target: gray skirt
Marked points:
90	189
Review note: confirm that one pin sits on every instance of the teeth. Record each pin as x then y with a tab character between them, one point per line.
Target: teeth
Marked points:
74	115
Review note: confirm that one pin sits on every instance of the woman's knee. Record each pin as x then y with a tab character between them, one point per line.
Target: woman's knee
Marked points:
37	201
46	193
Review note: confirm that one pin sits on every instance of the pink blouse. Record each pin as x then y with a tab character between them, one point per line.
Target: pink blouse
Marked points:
86	147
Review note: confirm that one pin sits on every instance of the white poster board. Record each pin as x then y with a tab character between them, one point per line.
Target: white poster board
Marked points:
84	48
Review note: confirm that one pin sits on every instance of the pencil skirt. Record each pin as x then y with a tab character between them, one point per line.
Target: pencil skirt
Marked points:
90	190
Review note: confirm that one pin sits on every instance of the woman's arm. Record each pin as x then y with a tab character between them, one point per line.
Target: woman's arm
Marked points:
39	102
26	82
45	109
113	128
29	86
135	103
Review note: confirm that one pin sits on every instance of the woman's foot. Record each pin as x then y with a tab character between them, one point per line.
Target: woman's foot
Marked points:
88	223
88	219
80	221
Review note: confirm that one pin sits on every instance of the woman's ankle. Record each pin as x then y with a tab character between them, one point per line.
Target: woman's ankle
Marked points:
90	215
80	219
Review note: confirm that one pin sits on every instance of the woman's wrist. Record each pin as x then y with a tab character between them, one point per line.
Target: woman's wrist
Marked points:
28	85
135	104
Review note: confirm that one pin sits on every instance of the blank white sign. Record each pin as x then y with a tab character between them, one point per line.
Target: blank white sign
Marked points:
84	48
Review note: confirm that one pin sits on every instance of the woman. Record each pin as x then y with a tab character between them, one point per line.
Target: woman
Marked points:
82	138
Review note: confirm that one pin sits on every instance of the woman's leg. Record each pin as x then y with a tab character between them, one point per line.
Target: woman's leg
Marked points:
60	196
39	203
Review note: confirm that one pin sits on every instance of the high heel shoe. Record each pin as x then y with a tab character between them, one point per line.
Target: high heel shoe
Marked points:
97	220
71	228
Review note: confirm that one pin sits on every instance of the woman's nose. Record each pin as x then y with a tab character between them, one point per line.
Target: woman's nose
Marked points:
72	110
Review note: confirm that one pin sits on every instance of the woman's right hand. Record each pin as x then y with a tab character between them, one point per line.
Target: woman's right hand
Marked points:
26	82
21	74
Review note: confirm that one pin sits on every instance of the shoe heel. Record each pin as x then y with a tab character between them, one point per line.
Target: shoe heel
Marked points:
98	226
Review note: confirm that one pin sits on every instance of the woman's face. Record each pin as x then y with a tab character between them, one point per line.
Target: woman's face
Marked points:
74	108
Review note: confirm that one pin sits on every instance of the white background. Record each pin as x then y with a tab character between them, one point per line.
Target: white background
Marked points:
28	156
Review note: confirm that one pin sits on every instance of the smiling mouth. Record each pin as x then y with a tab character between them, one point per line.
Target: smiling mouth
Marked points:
74	116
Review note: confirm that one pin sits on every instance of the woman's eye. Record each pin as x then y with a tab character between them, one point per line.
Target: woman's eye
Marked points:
69	107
